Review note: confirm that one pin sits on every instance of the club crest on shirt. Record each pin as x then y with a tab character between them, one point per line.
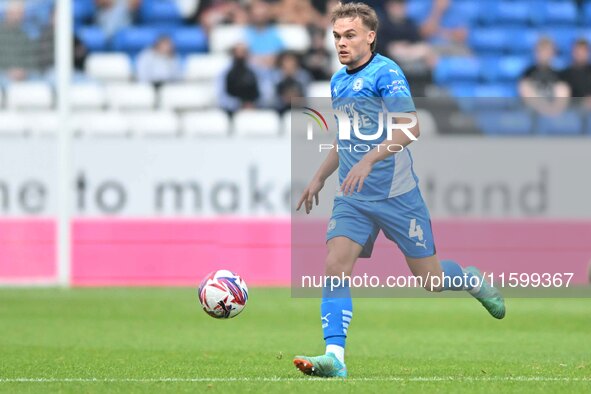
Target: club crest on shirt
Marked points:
358	84
332	224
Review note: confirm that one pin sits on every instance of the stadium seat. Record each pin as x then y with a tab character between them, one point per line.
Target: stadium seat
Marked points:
154	123
224	37
43	123
85	96
133	39
587	14
461	13
131	96
461	89
205	66
83	11
488	40
505	68
505	122
457	69
294	37
108	66
184	96
209	123
418	10
556	12
101	124
567	123
92	37
512	12
319	89
563	37
189	40
12	124
29	95
522	41
256	123
160	12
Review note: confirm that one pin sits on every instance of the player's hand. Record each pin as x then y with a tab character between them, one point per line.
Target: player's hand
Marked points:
309	195
356	176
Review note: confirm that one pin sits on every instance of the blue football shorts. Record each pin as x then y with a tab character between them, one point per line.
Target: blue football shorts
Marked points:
404	219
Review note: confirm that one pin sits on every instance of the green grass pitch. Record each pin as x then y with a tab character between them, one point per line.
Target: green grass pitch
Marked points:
158	340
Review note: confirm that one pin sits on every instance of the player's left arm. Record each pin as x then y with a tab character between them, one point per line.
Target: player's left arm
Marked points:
393	88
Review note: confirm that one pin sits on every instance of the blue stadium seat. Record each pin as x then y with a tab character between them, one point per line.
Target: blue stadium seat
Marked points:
587	14
567	123
189	40
461	13
513	12
457	69
557	12
93	38
503	90
83	11
134	39
461	89
418	10
563	37
160	12
522	40
505	122
506	68
488	40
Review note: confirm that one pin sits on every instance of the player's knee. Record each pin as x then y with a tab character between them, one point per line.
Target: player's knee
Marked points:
337	265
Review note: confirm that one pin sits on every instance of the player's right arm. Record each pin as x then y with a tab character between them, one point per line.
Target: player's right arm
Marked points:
326	169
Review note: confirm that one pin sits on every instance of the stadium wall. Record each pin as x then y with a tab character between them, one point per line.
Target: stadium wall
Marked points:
495	202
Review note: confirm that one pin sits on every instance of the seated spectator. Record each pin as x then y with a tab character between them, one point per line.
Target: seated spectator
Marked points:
541	85
239	86
114	15
291	80
159	63
578	75
317	59
214	12
400	39
18	52
262	38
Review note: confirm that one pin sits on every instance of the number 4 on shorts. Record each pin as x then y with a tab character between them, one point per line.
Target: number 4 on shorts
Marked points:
414	230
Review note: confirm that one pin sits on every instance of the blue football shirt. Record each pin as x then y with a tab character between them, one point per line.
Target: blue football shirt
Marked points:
376	87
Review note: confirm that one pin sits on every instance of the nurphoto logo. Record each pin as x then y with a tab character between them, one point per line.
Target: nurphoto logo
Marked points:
349	129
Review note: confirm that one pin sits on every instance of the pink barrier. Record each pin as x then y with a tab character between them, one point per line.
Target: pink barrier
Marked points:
150	252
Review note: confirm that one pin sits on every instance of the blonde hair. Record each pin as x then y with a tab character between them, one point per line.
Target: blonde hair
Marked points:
362	11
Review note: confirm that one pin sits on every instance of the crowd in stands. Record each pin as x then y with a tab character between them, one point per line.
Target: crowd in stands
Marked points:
444	46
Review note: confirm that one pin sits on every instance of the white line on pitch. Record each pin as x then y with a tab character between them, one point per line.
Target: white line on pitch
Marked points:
302	379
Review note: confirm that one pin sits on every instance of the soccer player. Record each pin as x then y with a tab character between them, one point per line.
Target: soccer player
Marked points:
378	190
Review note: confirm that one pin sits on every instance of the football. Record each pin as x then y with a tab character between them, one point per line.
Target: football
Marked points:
223	294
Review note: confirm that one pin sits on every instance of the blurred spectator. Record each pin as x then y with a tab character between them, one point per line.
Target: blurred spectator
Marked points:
291	80
317	59
578	75
80	54
541	85
214	12
446	40
400	39
159	63
239	86
18	53
113	15
262	37
300	12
